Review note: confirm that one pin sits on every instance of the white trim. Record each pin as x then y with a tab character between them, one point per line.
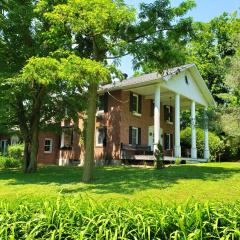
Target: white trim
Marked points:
135	128
51	145
157	114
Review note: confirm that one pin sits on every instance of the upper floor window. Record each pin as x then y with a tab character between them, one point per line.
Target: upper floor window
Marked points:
135	103
48	145
168	114
102	104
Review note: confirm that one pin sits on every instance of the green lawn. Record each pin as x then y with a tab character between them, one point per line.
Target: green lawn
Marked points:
202	182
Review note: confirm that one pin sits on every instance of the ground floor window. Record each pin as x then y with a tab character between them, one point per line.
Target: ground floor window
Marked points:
168	141
101	136
48	145
134	135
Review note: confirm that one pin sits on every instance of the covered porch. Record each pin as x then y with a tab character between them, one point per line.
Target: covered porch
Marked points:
181	91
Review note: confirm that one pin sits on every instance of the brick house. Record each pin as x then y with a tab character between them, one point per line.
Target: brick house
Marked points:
133	116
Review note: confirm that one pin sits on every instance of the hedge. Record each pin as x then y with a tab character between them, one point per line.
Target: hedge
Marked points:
216	145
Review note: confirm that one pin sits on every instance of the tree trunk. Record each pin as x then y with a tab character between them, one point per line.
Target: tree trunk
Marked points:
91	112
30	131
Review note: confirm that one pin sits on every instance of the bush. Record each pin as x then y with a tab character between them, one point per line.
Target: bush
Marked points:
216	145
16	151
9	162
80	219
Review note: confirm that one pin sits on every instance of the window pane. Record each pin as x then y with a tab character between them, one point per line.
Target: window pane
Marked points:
134	136
100	136
135	103
167	141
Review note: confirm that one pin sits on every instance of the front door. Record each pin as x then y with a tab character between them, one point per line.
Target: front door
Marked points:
151	136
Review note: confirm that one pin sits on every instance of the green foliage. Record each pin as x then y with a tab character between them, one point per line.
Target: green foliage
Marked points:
16	151
178	161
211	49
78	219
158	40
216	145
9	162
159	156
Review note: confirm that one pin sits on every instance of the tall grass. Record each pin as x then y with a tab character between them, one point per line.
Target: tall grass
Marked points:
81	219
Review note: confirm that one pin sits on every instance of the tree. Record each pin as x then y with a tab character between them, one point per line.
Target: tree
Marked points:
211	49
103	29
33	95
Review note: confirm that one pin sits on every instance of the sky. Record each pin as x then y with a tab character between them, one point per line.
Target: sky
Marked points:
204	12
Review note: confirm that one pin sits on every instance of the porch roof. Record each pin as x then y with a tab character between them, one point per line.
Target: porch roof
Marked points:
154	78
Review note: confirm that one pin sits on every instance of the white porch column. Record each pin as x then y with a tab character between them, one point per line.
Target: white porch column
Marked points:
193	126
177	146
157	116
62	139
206	145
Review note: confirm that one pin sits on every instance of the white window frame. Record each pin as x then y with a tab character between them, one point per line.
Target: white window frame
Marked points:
97	135
169	140
51	145
135	129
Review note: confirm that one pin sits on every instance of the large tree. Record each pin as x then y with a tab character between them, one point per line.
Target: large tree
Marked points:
34	91
103	29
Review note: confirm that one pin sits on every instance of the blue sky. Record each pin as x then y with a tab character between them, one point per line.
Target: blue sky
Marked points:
205	11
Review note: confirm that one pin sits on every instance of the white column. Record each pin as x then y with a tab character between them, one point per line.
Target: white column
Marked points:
62	138
177	146
206	146
157	116
193	125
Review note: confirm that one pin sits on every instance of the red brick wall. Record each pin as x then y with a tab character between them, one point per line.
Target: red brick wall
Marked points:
119	118
48	158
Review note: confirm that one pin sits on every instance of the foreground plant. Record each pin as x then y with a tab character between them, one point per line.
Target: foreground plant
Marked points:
85	219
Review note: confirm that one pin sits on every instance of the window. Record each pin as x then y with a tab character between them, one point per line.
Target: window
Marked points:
101	103
48	145
134	135
186	80
168	114
101	136
167	141
135	104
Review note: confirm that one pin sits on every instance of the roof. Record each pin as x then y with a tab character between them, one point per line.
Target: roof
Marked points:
143	79
155	77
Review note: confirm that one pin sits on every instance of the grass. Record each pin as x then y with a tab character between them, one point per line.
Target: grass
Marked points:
214	182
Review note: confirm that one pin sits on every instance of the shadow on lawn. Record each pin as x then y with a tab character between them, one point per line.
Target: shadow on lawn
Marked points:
124	180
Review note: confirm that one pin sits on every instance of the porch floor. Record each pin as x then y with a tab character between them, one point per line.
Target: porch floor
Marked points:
166	158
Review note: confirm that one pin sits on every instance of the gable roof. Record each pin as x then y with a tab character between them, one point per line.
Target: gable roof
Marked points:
155	77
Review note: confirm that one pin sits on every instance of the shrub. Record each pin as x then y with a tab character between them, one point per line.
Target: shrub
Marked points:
80	219
16	151
216	145
9	162
159	156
